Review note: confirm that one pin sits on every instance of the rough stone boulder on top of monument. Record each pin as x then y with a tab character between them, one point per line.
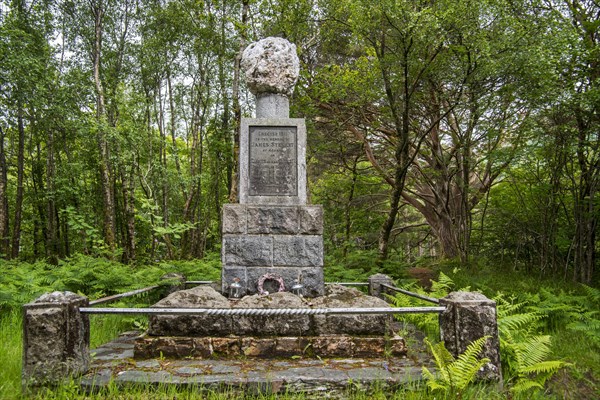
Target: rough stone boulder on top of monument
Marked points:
189	325
337	296
271	65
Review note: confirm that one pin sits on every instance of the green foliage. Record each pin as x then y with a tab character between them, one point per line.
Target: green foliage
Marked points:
428	323
93	277
586	319
524	352
454	375
357	266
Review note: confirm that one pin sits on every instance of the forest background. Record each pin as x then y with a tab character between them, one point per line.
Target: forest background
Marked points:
460	129
441	134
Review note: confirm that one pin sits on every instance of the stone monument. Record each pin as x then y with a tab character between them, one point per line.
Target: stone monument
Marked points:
272	232
272	253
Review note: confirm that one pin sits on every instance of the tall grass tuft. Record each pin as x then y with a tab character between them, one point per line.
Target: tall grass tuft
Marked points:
11	350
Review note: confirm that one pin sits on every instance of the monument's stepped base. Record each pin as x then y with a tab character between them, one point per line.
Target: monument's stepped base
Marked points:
268	347
113	364
275	325
270	336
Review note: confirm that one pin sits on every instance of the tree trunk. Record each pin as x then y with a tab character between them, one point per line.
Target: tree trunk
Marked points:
401	156
52	238
129	207
237	111
349	206
16	234
103	146
4	216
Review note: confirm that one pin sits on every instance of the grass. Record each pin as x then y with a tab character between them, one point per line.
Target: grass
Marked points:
11	350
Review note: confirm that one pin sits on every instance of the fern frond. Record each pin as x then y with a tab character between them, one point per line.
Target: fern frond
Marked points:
432	382
442	286
592	293
533	350
455	374
544	367
515	322
526	385
441	355
589	325
467	364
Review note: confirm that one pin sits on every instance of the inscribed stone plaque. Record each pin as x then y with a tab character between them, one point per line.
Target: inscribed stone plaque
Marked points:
273	163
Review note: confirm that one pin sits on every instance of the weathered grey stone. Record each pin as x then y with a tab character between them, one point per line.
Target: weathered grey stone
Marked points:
271	65
146	377
247	250
55	338
266	347
283	167
271	105
288	347
368	347
311	278
197	297
338	296
468	317
252	347
226	346
397	346
189	325
375	282
188	371
337	346
273	220
234	218
151	363
258	325
368	373
298	251
311	220
310	377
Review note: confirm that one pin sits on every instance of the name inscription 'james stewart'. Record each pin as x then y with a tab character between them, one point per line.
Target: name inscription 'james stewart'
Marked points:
273	161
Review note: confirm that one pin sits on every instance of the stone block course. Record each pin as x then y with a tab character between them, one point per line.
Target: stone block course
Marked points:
300	251
234	218
344	297
311	220
269	347
273	220
247	250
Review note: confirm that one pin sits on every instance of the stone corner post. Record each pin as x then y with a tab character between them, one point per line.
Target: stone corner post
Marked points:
468	317
56	338
375	282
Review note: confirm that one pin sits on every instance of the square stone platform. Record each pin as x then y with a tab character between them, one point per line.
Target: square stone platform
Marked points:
113	363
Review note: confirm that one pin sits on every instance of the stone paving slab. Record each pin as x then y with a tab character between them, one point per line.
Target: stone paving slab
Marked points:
114	362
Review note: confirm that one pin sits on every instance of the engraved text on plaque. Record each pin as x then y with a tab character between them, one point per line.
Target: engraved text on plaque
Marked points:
273	161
